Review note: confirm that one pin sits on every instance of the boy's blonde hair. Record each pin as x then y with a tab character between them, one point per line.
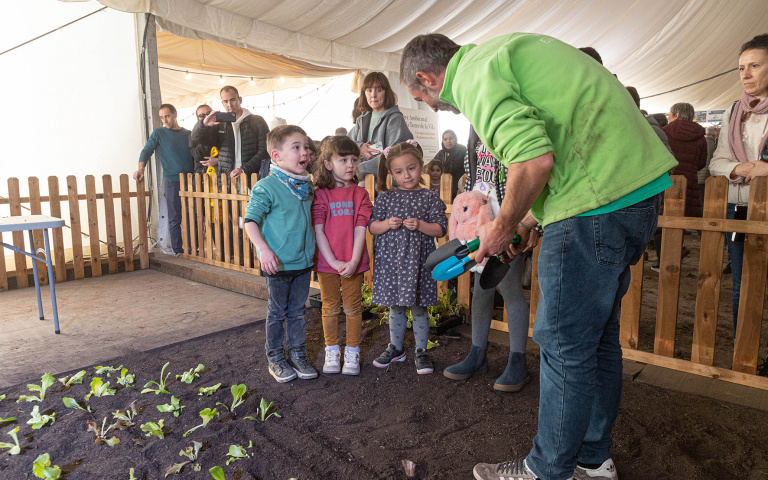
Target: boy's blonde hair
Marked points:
277	136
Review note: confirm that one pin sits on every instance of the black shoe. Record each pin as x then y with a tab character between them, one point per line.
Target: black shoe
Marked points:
297	359
423	362
391	354
281	371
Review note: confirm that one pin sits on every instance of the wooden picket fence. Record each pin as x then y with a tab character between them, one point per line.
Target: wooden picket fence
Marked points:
88	227
223	211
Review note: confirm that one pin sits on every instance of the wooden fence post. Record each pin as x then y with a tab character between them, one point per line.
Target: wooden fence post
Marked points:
93	225
18	237
629	322
370	187
445	195
74	225
59	264
109	217
125	204
36	209
185	226
199	215
141	207
669	271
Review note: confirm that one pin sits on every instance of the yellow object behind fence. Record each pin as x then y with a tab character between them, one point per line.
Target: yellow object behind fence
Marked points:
212	182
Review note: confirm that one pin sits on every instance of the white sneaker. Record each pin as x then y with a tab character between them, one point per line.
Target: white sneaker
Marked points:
332	361
607	471
351	363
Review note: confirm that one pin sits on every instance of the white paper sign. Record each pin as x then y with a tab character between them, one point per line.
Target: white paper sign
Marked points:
423	125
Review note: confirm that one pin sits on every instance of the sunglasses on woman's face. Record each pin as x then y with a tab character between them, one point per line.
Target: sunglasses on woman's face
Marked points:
203	115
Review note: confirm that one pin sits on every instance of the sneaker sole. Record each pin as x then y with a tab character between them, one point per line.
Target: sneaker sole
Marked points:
305	376
425	371
465	376
400	358
331	371
283	379
512	388
348	372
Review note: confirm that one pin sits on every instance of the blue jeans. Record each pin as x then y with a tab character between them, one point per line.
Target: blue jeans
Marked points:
736	254
583	274
173	203
288	294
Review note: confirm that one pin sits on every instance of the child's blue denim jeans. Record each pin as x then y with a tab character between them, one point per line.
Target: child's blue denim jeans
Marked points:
288	294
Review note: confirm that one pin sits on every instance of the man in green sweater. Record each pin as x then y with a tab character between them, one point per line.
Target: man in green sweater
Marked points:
587	165
171	143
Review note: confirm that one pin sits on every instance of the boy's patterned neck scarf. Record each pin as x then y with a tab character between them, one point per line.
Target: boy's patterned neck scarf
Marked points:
297	184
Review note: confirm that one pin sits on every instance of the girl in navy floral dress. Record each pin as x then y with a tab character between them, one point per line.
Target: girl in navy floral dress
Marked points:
407	220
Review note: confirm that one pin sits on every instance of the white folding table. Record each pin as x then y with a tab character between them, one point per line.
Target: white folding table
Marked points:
30	223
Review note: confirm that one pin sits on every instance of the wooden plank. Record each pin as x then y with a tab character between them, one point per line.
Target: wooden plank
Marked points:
125	204
141	207
59	262
18	237
234	226
755	264
669	272
189	203
535	291
219	263
36	209
445	196
629	321
208	233
199	216
714	224
61	198
109	219
217	223
74	223
697	369
3	271
93	225
463	292
370	187
226	226
184	222
710	272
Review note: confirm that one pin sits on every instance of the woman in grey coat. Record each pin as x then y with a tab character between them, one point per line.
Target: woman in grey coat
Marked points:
381	124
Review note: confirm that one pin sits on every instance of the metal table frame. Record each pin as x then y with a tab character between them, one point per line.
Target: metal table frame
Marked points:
30	223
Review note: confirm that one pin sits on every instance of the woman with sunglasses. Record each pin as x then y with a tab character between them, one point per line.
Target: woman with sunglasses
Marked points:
742	154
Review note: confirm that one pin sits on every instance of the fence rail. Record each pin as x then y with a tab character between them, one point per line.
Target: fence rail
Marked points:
88	227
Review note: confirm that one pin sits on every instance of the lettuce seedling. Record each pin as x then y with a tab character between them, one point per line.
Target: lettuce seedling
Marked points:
75	379
208	391
47	381
42	468
125	419
101	434
262	412
237	396
207	415
189	452
3	420
190	374
70	402
173	407
153	428
99	388
15	449
161	385
236	452
39	420
2	397
108	371
217	473
130	472
126	379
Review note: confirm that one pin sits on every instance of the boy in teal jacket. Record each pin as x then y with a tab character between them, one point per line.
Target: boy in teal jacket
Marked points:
278	220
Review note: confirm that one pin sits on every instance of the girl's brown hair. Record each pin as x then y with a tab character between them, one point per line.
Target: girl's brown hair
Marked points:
433	163
336	146
371	80
398	150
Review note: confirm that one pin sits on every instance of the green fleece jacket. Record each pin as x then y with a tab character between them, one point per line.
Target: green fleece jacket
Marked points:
284	221
527	95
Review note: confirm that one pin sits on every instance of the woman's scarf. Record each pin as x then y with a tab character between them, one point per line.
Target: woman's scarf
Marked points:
297	184
744	108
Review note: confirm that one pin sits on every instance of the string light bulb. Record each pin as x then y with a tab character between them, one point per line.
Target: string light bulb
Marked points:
253	82
282	80
188	75
221	78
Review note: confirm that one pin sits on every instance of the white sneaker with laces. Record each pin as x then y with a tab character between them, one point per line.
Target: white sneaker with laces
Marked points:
332	361
351	363
607	471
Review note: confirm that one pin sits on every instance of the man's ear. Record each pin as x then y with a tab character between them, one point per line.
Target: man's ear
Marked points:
429	80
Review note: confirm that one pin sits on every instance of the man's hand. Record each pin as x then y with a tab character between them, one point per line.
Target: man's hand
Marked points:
395	223
235	173
494	240
412	224
210	120
268	259
209	161
138	175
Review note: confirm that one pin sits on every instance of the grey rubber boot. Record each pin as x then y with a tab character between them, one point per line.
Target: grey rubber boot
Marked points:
515	376
475	362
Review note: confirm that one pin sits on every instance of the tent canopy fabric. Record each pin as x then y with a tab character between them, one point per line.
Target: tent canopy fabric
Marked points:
653	45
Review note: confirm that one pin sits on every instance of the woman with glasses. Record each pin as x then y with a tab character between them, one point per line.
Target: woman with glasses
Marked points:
742	154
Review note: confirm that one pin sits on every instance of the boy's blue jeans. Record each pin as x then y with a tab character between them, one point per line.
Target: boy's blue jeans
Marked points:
583	273
288	294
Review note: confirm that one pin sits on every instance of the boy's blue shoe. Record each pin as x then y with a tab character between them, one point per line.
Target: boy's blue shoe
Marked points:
475	362
281	371
391	354
297	358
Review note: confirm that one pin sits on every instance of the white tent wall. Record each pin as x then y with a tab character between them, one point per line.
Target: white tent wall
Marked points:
72	103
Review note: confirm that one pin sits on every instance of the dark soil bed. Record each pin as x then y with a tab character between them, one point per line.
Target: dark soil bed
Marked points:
342	427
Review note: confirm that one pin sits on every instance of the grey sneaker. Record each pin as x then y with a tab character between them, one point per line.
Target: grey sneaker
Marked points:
281	371
606	471
297	358
513	469
423	362
391	354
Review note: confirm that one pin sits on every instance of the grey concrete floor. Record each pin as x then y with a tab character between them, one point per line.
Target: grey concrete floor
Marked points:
110	316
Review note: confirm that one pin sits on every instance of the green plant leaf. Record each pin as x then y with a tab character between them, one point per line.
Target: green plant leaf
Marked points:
217	473
173	407
75	379
15	449
42	469
39	420
208	391
70	402
2	397
153	428
174	469
3	420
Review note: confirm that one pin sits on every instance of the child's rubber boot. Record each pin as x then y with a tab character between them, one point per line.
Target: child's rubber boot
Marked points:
475	362
516	375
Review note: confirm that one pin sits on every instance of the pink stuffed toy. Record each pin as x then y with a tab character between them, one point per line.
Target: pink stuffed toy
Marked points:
469	211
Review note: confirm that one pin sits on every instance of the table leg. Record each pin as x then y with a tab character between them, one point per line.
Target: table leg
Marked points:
51	281
34	273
